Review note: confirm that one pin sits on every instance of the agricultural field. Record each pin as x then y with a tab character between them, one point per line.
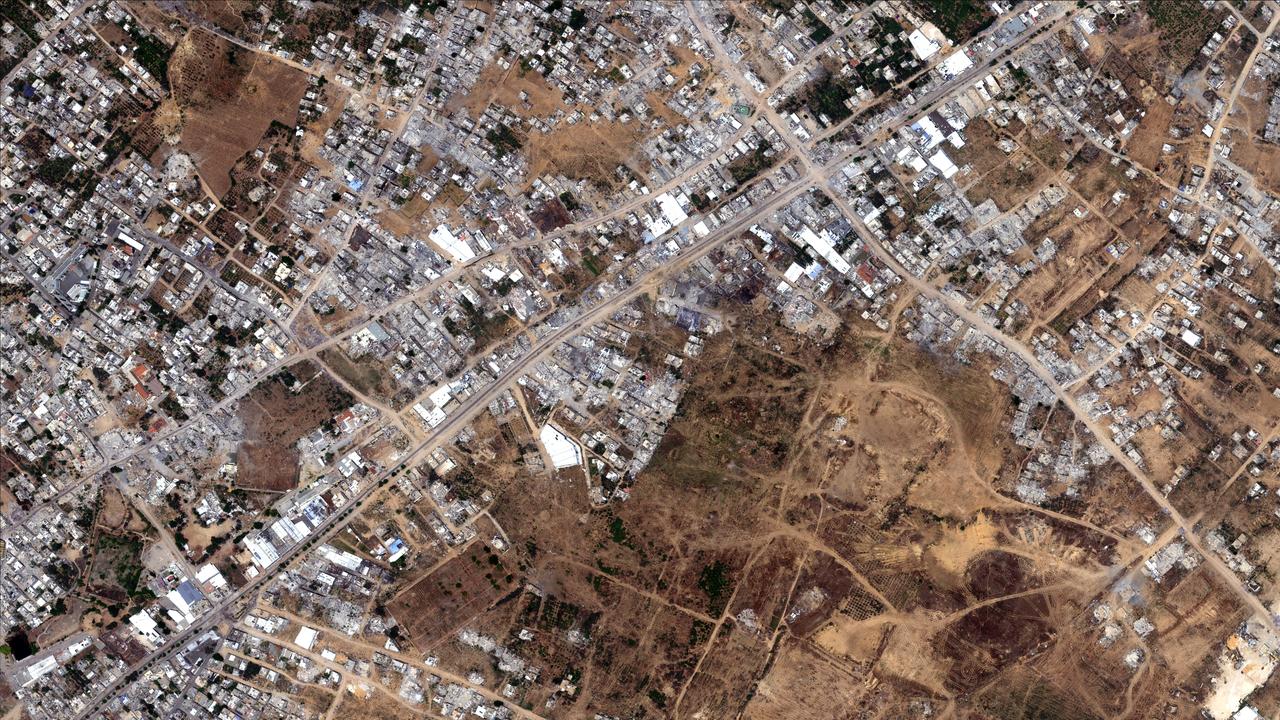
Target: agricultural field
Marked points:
455	591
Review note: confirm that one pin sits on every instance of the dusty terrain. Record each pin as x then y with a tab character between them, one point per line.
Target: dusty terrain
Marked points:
275	417
440	601
213	80
807	527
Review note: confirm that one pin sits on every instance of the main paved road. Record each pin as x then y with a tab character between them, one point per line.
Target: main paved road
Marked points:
979	323
457	420
463	414
543	347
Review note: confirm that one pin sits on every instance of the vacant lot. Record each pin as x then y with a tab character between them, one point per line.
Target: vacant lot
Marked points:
743	413
803	685
552	215
114	511
116	570
368	376
503	87
1183	27
721	689
275	417
1009	184
959	19
213	80
436	605
832	510
587	151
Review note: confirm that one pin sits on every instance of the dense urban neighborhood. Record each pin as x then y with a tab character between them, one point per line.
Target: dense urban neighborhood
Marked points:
620	359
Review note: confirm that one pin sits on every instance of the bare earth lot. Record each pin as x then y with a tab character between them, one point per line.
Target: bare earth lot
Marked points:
214	80
275	418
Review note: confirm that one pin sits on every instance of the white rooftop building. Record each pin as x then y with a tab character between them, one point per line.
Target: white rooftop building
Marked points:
955	64
146	627
922	45
306	638
564	451
454	247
